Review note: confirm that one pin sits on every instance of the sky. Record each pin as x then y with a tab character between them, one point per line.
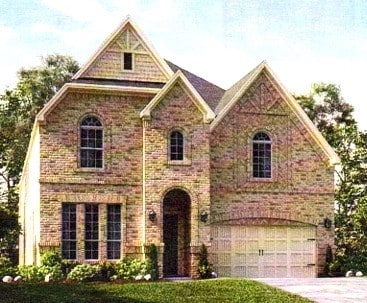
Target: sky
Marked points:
303	41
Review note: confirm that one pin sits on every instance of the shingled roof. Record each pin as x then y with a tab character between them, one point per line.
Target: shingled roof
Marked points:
210	92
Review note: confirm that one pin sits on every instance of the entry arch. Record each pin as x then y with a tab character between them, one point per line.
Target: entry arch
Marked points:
177	210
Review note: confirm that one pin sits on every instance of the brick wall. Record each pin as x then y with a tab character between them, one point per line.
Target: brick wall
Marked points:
301	188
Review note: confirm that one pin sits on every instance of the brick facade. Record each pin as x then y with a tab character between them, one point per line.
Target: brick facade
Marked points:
215	176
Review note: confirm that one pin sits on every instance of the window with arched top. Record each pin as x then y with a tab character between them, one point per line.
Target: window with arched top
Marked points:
261	156
176	145
91	142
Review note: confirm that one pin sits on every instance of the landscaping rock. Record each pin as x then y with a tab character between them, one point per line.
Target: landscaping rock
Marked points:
359	274
18	279
214	275
148	277
7	279
48	278
139	278
350	273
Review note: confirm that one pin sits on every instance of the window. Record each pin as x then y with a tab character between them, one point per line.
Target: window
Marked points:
91	231
261	156
91	143
128	61
113	232
68	244
176	145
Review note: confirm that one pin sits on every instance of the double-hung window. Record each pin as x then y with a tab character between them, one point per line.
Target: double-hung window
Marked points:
176	146
68	238
91	241
113	231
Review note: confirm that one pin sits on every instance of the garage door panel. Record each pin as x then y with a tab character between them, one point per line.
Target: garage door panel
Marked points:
259	251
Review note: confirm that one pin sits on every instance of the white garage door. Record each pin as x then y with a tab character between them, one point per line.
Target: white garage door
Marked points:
259	251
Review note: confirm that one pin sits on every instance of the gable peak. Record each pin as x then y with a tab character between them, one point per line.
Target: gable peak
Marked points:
126	39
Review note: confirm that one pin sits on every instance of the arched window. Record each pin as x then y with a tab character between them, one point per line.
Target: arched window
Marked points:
91	143
176	145
261	156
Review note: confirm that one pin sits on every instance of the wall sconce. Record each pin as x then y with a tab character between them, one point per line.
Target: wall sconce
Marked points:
204	216
152	215
327	223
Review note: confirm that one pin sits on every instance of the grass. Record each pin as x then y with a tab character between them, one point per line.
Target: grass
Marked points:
221	291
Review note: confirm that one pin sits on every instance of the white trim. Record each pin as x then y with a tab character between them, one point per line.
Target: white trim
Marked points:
179	77
56	99
292	103
163	66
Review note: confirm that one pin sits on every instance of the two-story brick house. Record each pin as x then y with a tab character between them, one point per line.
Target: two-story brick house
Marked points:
136	150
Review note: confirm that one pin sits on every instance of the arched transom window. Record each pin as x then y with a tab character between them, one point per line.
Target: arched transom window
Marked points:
91	143
176	145
261	156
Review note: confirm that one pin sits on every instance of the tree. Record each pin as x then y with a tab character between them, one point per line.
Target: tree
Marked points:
18	109
334	118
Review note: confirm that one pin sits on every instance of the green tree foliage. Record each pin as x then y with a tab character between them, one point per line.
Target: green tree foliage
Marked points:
334	118
18	109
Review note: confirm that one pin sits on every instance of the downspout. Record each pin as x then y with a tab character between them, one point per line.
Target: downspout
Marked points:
145	123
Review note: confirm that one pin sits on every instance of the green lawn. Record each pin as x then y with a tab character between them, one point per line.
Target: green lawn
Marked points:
211	291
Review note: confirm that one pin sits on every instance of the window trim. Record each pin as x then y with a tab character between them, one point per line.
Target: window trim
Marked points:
132	62
186	148
93	240
81	148
108	222
270	142
69	231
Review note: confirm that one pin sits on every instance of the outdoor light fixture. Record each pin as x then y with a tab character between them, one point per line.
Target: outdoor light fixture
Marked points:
204	216
152	215
327	223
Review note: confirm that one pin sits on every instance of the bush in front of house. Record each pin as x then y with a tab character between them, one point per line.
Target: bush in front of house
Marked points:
84	273
128	268
7	268
31	273
153	261
205	270
50	268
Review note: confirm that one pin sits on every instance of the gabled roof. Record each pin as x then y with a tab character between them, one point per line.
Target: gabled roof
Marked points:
77	87
127	24
234	93
180	78
210	92
235	88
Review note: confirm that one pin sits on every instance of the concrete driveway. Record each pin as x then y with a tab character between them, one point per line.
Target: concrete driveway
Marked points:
324	290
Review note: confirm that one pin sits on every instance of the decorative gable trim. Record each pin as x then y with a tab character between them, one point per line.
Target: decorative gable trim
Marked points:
95	88
291	102
128	24
179	78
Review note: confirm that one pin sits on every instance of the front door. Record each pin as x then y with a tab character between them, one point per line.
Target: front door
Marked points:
170	238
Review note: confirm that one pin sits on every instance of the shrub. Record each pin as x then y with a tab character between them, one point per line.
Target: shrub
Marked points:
204	268
84	272
7	268
153	261
51	258
107	270
67	266
30	273
129	268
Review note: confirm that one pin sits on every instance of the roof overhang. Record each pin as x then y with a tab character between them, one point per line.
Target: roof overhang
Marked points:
179	78
292	103
95	89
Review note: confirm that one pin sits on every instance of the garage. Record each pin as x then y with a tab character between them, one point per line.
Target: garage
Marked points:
264	251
